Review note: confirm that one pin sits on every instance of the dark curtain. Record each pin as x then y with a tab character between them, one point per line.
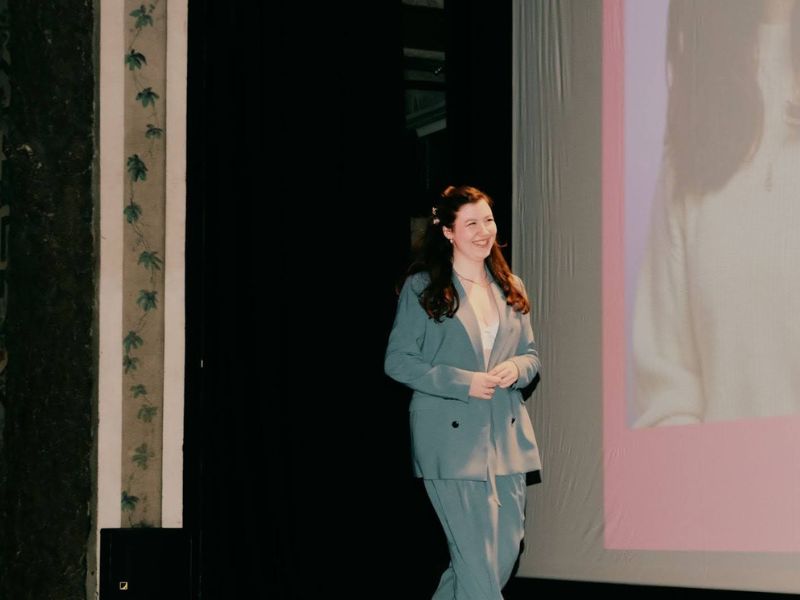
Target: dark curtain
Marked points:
227	382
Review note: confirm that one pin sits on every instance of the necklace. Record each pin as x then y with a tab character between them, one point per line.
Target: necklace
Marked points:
484	283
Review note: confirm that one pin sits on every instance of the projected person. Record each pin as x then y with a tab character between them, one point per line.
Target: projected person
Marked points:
462	341
716	333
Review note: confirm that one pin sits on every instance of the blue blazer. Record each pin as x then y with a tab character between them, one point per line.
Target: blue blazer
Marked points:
451	432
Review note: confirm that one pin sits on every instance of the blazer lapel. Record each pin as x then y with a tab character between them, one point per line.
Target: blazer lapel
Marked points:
468	319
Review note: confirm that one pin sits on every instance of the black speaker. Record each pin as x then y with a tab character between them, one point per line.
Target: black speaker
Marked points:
145	564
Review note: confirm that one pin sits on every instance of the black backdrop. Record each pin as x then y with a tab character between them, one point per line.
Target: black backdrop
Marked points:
226	417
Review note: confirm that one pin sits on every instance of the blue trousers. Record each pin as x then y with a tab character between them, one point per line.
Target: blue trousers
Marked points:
484	531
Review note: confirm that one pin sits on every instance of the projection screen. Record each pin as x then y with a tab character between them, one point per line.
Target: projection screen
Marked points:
656	219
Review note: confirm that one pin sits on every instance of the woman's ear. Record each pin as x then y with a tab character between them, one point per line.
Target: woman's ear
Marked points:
448	233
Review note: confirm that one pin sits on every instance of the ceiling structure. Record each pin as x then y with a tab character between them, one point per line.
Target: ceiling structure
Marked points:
424	68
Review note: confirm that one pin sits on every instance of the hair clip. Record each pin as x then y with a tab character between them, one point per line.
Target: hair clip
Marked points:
435	216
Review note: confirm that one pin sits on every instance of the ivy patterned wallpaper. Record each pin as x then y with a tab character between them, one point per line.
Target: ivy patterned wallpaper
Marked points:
143	263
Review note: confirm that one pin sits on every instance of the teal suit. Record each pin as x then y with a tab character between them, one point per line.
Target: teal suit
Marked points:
472	453
451	432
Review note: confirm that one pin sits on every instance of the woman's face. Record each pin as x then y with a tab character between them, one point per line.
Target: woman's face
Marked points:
473	232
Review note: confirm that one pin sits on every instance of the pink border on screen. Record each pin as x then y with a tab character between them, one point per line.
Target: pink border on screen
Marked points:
728	486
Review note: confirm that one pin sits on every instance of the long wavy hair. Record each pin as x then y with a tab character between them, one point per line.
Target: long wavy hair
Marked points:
434	255
715	108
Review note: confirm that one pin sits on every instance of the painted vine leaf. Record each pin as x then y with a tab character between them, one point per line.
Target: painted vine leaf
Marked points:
153	132
150	261
147	412
132	212
135	60
142	16
147	300
147	97
142	455
132	341
130	363
136	168
128	501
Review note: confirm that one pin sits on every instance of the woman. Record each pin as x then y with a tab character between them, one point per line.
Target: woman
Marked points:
715	332
462	341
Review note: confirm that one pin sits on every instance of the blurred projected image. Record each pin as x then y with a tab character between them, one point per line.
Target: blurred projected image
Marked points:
715	328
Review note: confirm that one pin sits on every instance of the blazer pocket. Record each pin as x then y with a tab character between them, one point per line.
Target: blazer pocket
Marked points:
445	440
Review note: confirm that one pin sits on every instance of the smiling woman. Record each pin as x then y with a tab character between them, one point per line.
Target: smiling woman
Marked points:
472	235
462	341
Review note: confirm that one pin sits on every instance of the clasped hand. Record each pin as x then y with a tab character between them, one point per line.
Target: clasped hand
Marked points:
483	384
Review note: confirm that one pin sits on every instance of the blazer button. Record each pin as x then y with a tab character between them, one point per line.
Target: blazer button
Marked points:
455	424
513	419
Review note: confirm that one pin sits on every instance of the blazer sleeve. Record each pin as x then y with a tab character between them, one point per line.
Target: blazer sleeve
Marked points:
527	357
404	360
